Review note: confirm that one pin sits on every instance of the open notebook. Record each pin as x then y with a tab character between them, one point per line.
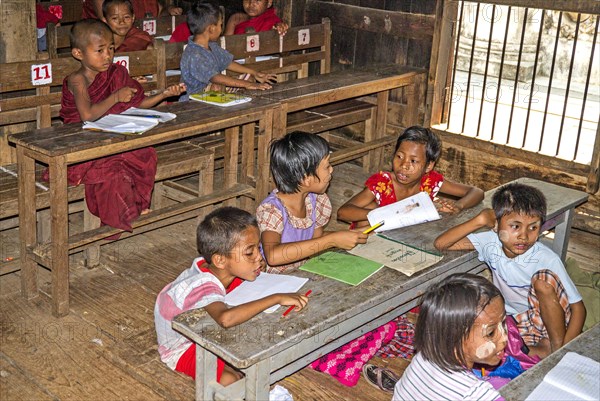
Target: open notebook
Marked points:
131	121
265	284
413	210
574	378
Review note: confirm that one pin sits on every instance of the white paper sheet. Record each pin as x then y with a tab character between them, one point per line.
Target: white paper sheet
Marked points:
574	378
161	116
265	284
121	124
413	210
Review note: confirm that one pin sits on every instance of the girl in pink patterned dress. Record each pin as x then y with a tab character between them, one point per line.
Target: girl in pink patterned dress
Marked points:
415	155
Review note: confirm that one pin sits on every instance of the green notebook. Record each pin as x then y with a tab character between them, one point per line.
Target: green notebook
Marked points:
220	98
343	267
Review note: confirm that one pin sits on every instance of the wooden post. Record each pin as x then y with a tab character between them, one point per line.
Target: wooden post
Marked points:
18	36
441	55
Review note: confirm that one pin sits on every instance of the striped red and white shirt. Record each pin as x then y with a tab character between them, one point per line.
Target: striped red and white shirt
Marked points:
423	380
194	288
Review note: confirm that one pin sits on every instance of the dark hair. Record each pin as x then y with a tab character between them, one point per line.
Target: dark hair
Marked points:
202	15
295	157
107	3
220	231
82	30
519	198
425	136
448	311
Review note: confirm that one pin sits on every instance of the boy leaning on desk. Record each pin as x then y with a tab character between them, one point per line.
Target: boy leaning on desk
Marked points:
229	242
118	188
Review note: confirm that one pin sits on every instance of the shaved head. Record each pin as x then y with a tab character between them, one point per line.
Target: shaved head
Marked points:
84	29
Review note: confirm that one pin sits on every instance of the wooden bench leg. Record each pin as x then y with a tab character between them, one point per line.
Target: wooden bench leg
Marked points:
91	254
43	226
206	368
247	166
157	196
206	176
257	380
230	166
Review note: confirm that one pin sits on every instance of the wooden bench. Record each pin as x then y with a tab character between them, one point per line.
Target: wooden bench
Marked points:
24	102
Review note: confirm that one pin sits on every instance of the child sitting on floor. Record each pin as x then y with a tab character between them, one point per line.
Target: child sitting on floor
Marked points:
117	188
118	14
229	242
461	323
293	217
258	16
539	292
417	150
203	59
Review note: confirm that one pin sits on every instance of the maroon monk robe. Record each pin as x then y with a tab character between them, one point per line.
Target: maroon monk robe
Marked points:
135	40
117	188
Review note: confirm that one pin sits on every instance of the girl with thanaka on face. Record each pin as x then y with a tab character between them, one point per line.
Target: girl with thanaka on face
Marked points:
293	217
539	293
416	152
461	323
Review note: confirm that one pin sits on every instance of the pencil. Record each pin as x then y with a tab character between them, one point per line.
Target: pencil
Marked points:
482	372
374	227
291	308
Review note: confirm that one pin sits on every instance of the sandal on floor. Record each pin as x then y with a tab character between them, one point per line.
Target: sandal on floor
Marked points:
383	379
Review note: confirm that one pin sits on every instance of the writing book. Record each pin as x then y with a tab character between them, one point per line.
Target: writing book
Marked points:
161	116
574	378
265	284
396	255
121	124
343	267
413	210
221	99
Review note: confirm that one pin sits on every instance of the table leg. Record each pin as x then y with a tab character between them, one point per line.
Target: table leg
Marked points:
59	262
265	134
562	233
257	381
206	372
230	168
376	155
27	223
247	165
280	121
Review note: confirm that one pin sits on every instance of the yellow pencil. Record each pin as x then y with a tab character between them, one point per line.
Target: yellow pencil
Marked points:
374	227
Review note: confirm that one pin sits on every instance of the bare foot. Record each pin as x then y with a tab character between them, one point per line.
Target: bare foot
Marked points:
145	211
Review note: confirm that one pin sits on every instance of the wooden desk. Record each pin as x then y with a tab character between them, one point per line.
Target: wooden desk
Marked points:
69	144
319	90
268	347
587	344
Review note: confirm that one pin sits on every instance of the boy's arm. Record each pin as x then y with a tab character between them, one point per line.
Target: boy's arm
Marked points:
173	90
578	314
278	254
233	21
357	207
229	317
456	237
259	76
469	195
89	111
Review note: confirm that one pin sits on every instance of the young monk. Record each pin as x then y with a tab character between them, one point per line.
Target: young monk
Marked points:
119	16
117	188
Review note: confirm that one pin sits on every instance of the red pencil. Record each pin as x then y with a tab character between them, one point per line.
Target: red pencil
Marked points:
291	308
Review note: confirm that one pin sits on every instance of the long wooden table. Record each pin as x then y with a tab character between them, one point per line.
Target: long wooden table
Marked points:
268	347
586	344
306	93
69	144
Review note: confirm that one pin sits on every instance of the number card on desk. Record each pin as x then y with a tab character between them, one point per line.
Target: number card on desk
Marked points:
122	60
149	27
252	43
303	37
41	74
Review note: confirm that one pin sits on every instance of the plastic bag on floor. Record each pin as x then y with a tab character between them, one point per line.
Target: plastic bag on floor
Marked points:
280	393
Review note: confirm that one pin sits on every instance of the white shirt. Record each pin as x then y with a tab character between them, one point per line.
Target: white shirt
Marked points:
423	380
513	276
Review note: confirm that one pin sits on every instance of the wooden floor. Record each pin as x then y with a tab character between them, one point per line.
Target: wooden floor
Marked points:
105	349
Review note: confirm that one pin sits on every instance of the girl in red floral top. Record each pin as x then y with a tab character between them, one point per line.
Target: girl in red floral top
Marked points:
415	155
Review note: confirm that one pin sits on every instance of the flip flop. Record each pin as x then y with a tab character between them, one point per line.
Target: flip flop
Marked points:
383	379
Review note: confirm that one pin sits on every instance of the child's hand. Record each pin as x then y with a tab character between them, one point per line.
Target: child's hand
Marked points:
175	90
268	78
125	94
259	86
487	218
295	299
349	239
281	28
447	206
